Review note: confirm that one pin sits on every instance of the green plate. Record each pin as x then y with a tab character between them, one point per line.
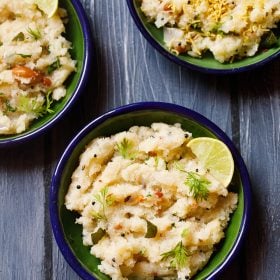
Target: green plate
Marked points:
207	63
78	33
68	234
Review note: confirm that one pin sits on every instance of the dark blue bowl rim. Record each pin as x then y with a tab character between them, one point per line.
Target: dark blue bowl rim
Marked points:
85	71
186	64
142	106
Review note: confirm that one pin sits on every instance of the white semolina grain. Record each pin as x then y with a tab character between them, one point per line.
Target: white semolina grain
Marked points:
32	41
228	29
143	183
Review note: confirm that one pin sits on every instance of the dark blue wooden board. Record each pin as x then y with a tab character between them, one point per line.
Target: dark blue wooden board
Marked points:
128	69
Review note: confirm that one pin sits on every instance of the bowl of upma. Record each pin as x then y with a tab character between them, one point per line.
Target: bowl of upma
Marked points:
132	196
45	58
219	37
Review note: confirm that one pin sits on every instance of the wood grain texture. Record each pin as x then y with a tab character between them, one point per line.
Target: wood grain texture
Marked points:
260	134
126	70
22	212
130	70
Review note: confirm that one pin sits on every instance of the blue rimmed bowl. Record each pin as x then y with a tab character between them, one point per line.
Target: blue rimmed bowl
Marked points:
78	32
68	234
207	63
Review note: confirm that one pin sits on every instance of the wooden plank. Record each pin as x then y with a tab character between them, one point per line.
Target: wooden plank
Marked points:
22	212
259	98
59	139
81	113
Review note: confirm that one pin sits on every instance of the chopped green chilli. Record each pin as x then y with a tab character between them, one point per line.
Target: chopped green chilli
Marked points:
54	66
97	236
151	230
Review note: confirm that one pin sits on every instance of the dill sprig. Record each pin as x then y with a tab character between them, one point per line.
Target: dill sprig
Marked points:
198	186
48	103
31	105
105	200
178	256
34	33
126	149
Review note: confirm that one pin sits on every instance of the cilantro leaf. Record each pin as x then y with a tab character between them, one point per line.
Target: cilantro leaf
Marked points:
198	186
105	200
34	33
54	66
126	149
178	256
31	105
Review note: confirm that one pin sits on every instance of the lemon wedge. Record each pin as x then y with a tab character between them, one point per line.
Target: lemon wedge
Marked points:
49	7
215	156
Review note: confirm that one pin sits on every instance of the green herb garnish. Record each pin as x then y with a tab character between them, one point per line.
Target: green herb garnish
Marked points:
31	105
55	65
97	236
19	37
156	161
151	230
196	25
178	256
34	33
9	107
198	186
125	148
142	252
24	55
185	232
48	103
98	216
105	200
216	29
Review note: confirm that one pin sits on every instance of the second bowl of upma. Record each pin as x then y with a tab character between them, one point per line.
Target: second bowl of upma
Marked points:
44	65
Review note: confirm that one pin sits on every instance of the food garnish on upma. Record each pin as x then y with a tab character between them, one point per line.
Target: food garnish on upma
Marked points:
34	63
229	29
147	205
